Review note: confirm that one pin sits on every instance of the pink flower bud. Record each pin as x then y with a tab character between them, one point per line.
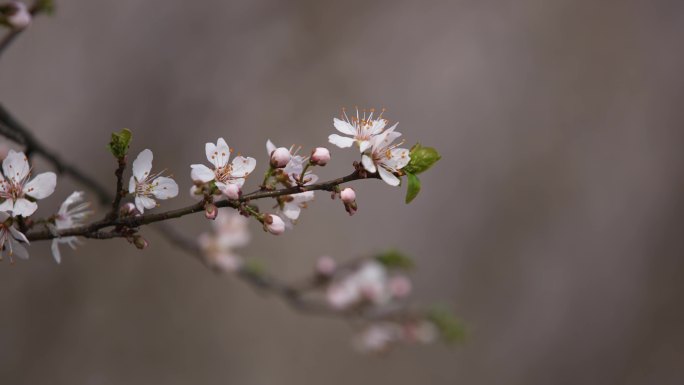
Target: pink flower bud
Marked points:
19	16
140	242
348	195
326	266
320	156
129	209
280	157
399	286
210	211
274	224
232	191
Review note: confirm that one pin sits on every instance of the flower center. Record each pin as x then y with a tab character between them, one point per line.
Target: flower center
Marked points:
224	174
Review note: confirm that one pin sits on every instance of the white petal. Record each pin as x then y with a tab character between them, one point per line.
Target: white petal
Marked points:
201	173
363	145
218	155
340	141
131	185
75	197
18	235
399	157
388	177
15	166
270	147
344	127
142	165
243	166
304	197
368	163
55	251
19	250
377	127
7	205
292	210
164	188
142	203
42	186
24	207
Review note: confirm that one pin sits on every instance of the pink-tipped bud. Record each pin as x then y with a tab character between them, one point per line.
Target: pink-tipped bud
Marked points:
18	16
348	195
140	242
399	286
325	266
210	211
128	209
232	191
280	157
274	224
320	156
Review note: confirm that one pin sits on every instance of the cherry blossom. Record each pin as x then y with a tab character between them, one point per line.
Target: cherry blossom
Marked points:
19	16
378	337
223	174
274	224
69	216
230	231
361	129
368	283
11	239
17	190
320	156
279	156
386	158
144	185
290	206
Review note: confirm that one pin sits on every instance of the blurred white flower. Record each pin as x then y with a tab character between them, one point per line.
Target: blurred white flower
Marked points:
384	157
223	174
11	239
229	231
19	16
68	217
144	185
15	186
369	283
378	337
361	129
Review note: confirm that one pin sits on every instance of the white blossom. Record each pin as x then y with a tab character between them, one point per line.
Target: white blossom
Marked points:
378	337
229	231
18	192
361	129
320	156
223	174
274	224
144	186
11	239
19	16
384	157
69	216
368	283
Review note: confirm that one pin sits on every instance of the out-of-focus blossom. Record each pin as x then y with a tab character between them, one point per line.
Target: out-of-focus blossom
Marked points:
229	231
15	186
72	212
378	337
18	15
325	266
144	185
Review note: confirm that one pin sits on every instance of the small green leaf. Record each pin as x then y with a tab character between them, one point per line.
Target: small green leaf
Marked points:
120	142
413	187
451	328
394	259
422	158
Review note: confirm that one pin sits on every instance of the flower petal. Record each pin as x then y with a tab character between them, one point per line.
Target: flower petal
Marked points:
24	207
164	188
15	166
344	127
363	145
377	126
19	250
368	164
399	157
75	197
218	155
131	185
270	147
142	165
18	235
142	203
42	186
55	251
6	206
292	210
242	166
388	177
201	173
340	141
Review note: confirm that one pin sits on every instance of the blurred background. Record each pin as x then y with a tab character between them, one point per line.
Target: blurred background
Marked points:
553	224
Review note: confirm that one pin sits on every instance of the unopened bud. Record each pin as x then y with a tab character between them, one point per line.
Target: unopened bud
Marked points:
232	191
399	286
325	266
348	195
320	156
280	157
210	211
274	224
18	15
128	209
140	242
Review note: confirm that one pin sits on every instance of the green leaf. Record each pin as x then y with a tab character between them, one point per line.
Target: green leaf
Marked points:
450	328
394	259
413	187
47	6
120	142
422	158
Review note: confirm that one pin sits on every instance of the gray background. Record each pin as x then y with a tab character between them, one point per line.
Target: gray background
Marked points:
553	225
